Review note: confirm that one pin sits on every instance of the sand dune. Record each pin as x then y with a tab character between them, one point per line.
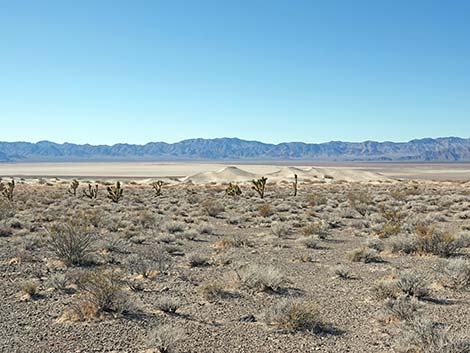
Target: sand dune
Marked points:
235	174
225	175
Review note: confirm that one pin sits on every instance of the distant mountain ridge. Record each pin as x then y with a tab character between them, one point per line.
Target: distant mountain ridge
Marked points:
428	149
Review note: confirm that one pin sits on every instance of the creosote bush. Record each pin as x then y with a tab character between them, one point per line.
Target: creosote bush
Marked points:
72	242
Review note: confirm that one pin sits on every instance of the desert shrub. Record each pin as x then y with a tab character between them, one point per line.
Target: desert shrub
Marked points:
140	264
166	238
407	283
342	272
167	304
72	243
164	338
261	278
294	316
173	227
58	281
212	290
360	201
319	229
190	234
213	207
403	244
7	209
317	199
422	335
280	230
402	308
206	229
386	289
389	229
100	292
437	242
196	260
376	244
457	272
365	255
5	231
265	210
309	242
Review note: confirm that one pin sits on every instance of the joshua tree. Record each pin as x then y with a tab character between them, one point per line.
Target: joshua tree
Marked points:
233	190
92	192
295	184
115	192
259	185
157	187
8	189
73	187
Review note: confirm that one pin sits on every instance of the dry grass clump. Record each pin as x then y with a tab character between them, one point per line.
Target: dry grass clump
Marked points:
30	289
72	242
173	227
294	316
212	290
317	228
168	304
261	278
164	338
265	210
342	272
5	231
365	255
196	260
309	242
280	230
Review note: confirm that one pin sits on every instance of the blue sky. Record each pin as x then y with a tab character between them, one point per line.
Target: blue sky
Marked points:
138	71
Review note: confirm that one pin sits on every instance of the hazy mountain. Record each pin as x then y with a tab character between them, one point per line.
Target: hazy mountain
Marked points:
440	149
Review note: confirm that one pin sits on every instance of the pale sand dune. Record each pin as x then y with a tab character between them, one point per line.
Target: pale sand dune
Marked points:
225	175
235	174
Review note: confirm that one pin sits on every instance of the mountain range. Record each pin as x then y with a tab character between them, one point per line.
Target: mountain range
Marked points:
427	149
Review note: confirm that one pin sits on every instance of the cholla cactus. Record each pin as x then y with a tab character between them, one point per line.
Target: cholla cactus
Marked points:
294	184
92	192
157	187
115	192
233	190
73	187
259	185
8	189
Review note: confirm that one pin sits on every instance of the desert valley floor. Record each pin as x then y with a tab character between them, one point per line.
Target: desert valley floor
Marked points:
369	258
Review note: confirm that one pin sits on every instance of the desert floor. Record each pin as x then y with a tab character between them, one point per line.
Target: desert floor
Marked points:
436	171
375	265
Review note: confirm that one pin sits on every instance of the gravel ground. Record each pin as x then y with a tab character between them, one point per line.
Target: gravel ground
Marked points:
203	236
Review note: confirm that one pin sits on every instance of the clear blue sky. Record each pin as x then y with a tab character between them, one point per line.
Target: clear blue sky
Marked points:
97	71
